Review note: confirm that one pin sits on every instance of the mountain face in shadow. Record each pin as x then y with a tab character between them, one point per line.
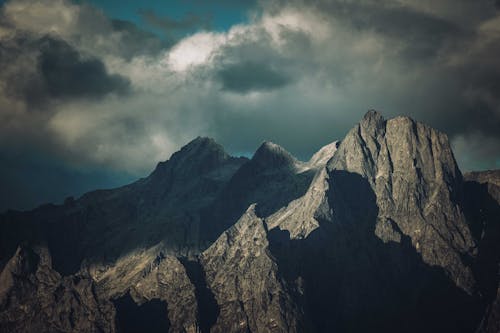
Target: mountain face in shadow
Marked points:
364	283
379	231
103	225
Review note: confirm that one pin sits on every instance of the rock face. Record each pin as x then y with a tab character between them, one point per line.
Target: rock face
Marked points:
271	179
150	275
491	177
299	217
35	298
163	208
379	231
245	281
412	172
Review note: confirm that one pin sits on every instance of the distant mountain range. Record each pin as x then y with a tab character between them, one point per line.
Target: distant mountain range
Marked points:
377	232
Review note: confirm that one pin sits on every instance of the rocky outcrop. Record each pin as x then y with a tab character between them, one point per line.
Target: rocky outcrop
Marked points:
245	281
412	171
489	176
271	179
150	275
35	298
299	217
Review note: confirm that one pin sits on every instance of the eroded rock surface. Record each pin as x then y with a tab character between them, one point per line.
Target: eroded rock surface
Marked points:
245	281
413	174
35	298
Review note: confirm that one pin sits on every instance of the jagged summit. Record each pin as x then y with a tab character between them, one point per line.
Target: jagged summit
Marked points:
200	147
203	141
372	117
199	156
272	155
372	125
410	166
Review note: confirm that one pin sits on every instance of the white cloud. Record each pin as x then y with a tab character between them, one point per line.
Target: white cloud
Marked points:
194	50
50	16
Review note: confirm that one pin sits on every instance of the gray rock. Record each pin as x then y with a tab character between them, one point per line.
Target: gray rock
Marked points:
412	171
245	281
299	217
150	275
35	298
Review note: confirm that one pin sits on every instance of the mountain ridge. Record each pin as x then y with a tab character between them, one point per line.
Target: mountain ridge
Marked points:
379	230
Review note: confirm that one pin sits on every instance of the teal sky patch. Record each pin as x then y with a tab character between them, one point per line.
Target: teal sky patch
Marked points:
211	15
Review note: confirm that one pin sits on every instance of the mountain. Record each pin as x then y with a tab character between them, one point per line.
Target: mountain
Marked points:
163	207
379	231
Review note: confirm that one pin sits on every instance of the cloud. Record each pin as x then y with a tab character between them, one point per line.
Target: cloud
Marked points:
248	76
37	70
300	73
80	25
476	151
194	50
132	41
68	75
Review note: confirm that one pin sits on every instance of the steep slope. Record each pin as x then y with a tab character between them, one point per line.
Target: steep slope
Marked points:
299	216
411	169
245	282
126	240
387	230
271	179
162	208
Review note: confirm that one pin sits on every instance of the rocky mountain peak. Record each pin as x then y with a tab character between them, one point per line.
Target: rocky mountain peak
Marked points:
202	141
271	155
200	148
372	120
409	167
199	156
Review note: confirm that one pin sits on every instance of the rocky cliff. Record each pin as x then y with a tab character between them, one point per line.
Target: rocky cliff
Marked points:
378	231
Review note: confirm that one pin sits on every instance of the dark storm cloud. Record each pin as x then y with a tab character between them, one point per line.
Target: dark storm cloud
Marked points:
248	76
481	105
37	70
422	34
22	80
253	63
68	75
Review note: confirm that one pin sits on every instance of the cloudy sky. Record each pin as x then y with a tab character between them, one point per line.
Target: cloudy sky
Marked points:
94	93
